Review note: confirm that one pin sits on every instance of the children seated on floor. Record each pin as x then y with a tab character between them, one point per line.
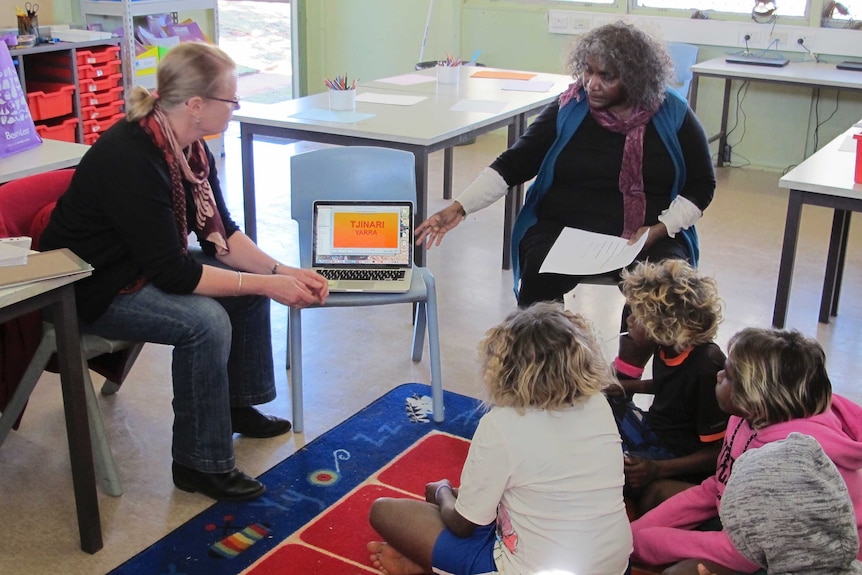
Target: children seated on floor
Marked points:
541	489
674	444
774	383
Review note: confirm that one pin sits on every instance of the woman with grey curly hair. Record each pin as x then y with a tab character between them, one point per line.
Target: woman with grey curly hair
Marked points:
618	153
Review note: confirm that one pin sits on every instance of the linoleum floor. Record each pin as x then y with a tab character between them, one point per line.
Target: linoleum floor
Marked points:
353	356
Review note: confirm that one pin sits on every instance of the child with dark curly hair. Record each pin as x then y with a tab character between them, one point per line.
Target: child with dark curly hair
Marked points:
541	489
675	444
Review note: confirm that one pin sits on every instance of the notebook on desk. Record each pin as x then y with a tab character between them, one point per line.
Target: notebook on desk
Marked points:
44	266
363	246
776	61
849	65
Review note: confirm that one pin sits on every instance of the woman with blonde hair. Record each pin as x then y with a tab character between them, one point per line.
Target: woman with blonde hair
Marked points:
140	190
541	490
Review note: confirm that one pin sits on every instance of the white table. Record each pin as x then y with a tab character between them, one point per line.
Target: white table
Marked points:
47	156
807	74
824	179
422	128
58	295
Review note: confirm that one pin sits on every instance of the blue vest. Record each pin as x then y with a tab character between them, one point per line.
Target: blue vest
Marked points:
667	121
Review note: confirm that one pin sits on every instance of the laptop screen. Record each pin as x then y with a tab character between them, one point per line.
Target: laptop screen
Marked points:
362	233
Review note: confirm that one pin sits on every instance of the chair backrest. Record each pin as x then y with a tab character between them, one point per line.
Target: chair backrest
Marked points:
346	173
25	199
684	56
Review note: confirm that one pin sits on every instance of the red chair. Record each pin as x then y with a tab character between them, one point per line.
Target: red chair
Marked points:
28	343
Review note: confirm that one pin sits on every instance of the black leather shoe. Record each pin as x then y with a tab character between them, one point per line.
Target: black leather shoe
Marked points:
252	423
231	486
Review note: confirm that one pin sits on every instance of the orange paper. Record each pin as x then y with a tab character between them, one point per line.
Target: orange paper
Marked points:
503	75
366	230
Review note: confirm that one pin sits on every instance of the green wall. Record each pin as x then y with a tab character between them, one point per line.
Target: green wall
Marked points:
378	38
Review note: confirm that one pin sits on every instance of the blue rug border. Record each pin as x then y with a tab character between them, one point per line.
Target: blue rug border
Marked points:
315	477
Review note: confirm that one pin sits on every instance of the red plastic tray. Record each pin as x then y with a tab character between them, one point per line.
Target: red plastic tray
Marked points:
49	99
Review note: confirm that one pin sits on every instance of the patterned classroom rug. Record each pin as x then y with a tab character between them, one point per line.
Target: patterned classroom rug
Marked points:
314	517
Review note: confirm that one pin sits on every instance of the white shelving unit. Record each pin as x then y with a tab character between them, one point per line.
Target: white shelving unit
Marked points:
122	14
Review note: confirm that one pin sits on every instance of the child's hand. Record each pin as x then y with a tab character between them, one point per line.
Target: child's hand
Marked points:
702	570
616	389
639	471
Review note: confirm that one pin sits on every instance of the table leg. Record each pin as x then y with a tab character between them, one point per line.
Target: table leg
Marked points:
421	199
515	195
834	265
77	426
448	162
788	255
248	193
722	135
695	79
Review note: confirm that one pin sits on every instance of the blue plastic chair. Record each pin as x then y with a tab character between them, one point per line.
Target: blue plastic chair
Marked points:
684	56
376	174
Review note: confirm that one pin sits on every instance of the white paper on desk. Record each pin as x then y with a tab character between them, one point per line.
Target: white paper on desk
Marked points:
409	79
14	251
483	106
338	116
526	85
848	145
394	99
580	253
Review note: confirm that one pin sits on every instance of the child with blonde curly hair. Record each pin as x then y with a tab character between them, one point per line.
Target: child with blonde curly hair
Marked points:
675	444
541	489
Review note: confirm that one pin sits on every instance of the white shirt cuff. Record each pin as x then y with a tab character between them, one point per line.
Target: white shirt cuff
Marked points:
487	188
680	215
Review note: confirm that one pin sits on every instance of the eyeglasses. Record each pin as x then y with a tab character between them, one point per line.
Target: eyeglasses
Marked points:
234	102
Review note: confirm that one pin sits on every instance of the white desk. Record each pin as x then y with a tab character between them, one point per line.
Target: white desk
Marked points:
808	74
47	156
824	179
58	295
423	128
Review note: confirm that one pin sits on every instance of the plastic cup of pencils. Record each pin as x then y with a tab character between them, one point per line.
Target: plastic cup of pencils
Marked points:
448	74
342	99
858	175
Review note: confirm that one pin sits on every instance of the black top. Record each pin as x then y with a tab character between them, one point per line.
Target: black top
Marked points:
590	165
118	216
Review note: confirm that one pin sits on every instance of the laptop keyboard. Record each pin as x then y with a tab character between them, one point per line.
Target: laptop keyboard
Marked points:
362	275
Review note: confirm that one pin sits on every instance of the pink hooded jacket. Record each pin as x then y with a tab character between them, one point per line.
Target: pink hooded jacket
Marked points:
665	534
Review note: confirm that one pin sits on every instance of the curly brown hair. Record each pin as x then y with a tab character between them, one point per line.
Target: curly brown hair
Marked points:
677	307
542	357
641	62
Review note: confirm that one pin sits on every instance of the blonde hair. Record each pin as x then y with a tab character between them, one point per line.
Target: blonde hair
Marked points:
542	357
778	375
189	69
676	307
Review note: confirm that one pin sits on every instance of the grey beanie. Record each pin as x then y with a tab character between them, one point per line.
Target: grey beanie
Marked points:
787	509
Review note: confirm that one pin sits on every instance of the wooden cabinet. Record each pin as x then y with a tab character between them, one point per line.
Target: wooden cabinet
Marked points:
74	89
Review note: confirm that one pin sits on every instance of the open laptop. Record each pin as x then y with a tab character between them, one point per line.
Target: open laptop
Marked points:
363	246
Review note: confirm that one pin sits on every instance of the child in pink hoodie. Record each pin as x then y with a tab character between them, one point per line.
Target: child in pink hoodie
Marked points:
774	383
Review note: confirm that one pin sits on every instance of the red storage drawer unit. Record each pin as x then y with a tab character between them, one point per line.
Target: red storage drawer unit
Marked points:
101	98
65	130
99	84
106	111
85	72
101	124
49	99
98	55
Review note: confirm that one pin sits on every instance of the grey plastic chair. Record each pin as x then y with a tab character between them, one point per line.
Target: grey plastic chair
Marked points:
354	173
684	56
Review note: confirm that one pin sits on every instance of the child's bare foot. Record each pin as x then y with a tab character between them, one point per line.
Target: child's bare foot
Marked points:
389	561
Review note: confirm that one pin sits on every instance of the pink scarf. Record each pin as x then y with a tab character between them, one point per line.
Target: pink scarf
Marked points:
194	168
631	174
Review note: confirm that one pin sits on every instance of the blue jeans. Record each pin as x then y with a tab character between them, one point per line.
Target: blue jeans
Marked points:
222	357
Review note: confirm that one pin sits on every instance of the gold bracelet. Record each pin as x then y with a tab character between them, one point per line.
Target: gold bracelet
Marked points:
274	269
239	285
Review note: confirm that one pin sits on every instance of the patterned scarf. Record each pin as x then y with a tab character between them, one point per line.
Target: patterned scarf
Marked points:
631	174
191	166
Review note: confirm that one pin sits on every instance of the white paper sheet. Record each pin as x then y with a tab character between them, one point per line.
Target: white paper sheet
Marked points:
393	99
408	79
848	145
483	106
526	85
580	253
